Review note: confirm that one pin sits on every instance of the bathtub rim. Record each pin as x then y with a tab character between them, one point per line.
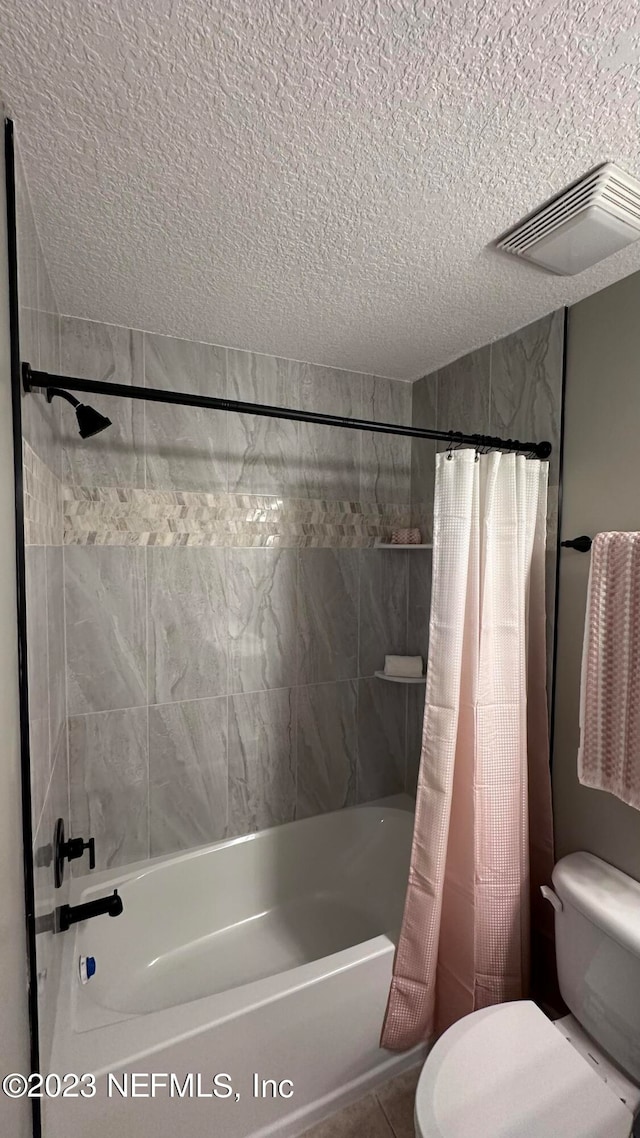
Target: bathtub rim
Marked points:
84	886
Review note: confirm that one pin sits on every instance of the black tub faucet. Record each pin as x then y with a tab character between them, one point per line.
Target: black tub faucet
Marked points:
70	914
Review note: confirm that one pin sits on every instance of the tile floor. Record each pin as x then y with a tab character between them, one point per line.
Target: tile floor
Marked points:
385	1113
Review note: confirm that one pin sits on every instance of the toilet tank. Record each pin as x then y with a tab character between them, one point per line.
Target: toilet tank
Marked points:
598	954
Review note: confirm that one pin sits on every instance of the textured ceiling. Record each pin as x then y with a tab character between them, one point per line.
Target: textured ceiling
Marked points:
315	178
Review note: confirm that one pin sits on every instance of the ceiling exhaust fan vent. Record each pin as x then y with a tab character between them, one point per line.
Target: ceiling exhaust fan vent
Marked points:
594	217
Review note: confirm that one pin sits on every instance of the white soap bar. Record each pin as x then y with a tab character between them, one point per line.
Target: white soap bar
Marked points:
408	666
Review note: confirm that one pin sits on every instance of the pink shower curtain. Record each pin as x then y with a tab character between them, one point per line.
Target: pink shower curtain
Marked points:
482	841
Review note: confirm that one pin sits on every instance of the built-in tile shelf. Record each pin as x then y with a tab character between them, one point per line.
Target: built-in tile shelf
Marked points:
401	679
397	545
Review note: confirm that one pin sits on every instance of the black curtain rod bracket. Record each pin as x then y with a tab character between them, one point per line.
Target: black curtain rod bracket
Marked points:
42	381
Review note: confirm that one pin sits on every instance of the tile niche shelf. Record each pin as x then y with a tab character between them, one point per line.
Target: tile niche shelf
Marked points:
396	545
401	679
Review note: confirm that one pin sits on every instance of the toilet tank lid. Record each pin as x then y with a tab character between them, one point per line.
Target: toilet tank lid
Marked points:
604	895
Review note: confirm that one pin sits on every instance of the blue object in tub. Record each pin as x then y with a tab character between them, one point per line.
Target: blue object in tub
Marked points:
87	968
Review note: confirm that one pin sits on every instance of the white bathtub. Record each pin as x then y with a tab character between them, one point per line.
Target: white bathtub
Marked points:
265	956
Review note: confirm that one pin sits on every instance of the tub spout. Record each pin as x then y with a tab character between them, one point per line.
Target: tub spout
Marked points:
70	914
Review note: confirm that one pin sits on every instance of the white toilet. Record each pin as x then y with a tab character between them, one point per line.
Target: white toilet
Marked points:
510	1072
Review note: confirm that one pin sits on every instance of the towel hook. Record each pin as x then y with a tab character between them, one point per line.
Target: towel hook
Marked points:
582	544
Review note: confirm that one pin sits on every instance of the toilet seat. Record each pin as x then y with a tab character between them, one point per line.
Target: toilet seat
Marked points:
506	1072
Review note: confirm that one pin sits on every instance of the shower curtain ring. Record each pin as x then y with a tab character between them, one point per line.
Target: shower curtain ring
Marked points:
479	448
454	436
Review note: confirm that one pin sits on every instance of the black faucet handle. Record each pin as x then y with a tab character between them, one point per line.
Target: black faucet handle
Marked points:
70	850
75	848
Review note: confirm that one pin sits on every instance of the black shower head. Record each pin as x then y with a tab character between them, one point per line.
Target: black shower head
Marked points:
90	421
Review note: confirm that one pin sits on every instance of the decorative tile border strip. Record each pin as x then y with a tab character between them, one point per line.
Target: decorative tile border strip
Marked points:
43	501
119	516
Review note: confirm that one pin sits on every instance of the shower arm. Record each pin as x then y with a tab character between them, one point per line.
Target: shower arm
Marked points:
42	381
51	392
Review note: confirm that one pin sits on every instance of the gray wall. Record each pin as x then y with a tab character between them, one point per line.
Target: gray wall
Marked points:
600	492
511	388
224	608
15	1116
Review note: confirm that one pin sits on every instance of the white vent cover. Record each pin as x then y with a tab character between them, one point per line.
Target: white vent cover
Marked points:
590	220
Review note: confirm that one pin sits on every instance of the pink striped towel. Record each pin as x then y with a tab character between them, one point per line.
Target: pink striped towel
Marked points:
609	755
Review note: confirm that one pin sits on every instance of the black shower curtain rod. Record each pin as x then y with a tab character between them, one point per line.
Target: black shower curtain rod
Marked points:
35	381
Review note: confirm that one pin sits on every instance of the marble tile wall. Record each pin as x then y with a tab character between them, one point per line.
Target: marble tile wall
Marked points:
511	388
104	352
218	691
164	447
225	607
44	531
114	516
